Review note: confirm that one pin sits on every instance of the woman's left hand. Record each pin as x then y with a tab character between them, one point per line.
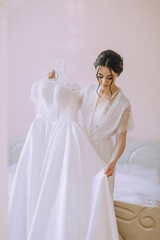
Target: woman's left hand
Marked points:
110	169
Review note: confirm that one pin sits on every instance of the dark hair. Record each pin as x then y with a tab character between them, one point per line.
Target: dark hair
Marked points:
111	60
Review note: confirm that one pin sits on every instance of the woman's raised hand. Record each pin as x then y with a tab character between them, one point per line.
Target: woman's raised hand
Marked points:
52	74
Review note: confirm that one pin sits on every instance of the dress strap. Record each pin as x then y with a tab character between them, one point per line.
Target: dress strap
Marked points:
115	93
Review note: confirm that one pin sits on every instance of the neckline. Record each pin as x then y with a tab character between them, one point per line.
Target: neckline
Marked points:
96	100
114	94
108	100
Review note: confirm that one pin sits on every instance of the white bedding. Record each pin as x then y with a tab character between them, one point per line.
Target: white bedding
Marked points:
134	183
137	184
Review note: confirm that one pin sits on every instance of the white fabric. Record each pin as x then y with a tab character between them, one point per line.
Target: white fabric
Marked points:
138	184
59	191
101	123
134	183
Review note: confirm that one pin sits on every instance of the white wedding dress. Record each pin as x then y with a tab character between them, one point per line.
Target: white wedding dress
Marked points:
59	190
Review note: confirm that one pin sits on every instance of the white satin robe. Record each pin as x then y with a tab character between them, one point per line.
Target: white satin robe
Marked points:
115	118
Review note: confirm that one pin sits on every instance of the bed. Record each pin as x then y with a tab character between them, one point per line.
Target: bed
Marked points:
137	188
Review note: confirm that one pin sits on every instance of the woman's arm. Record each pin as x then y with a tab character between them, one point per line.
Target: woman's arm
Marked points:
118	150
120	139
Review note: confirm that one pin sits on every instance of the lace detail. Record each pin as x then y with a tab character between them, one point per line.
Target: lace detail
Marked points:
82	95
46	91
35	88
126	122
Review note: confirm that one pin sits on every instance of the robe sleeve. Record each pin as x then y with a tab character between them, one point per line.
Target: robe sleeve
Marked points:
126	122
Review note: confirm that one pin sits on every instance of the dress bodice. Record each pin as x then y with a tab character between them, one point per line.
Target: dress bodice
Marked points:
55	100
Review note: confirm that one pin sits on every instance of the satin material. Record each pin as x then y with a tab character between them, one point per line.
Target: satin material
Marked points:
59	190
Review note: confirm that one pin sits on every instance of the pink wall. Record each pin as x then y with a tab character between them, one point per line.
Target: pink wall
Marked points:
3	126
39	32
35	33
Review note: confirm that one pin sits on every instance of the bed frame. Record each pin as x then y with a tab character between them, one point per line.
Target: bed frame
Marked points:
135	222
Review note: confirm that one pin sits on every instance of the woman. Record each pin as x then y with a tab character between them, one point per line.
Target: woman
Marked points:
106	111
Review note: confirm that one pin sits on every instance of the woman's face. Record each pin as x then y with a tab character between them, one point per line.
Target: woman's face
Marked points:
105	77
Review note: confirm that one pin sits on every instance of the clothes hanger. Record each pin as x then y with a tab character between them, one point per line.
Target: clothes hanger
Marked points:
59	71
59	75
